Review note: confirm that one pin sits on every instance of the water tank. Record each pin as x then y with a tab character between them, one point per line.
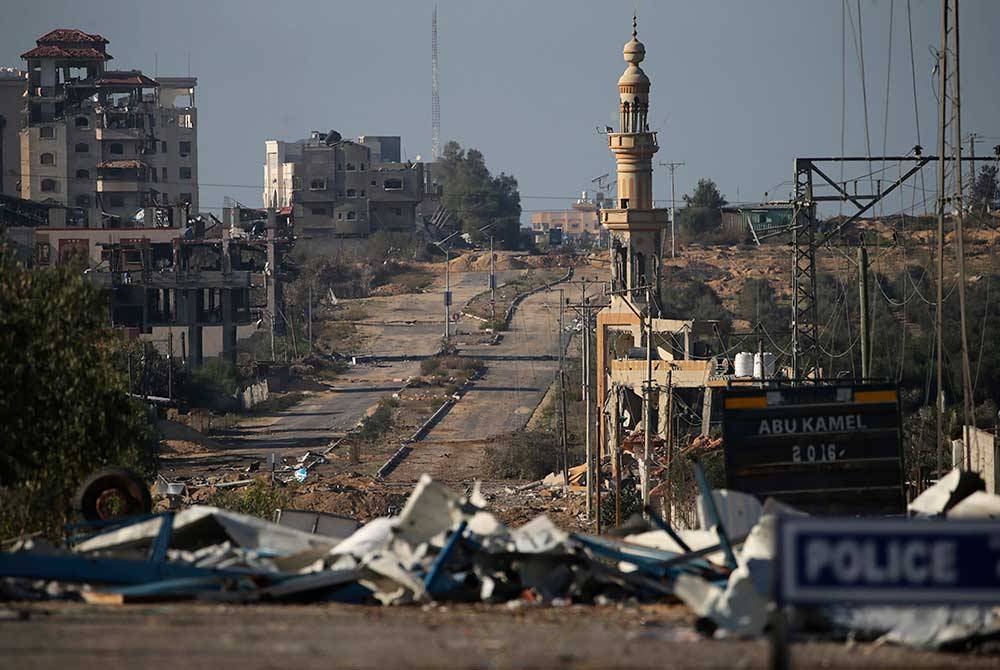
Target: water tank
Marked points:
744	364
763	365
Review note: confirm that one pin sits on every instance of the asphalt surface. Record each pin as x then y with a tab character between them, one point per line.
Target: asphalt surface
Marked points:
518	372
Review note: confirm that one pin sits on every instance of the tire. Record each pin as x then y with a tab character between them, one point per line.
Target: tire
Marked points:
112	493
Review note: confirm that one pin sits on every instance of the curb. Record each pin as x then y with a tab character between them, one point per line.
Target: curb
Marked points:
515	303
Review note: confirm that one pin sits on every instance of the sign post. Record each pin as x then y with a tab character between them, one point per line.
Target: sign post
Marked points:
882	562
834	450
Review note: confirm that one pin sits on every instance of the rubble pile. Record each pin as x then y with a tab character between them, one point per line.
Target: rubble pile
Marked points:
444	547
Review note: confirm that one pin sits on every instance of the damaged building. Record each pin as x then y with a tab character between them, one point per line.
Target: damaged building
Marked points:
108	142
344	188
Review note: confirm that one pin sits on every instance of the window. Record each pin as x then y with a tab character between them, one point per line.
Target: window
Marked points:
350	167
116	148
82	122
164	171
393	184
49	185
48	159
163	147
398	211
83	174
362	166
319	211
373	183
624	203
185	121
42	252
185	148
340	215
47	132
351	216
116	200
317	184
362	193
185	173
82	148
83	201
351	193
340	166
186	197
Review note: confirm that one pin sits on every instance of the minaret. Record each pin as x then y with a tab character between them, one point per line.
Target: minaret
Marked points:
636	228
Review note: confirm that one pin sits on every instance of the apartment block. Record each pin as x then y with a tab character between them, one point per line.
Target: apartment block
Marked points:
106	141
343	188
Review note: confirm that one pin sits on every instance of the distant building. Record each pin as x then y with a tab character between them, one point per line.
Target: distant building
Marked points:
106	141
343	188
754	220
579	224
13	85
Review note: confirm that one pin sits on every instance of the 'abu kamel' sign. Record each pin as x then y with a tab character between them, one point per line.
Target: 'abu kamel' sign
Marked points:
887	561
823	449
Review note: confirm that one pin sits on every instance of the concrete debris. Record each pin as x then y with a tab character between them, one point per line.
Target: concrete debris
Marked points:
446	547
946	493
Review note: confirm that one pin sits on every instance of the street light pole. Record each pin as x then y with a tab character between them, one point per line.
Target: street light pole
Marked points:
447	295
493	284
648	413
673	206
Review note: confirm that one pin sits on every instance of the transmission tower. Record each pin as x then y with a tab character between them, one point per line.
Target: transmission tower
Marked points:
435	100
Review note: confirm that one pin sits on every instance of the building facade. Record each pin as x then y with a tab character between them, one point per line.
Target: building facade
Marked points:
579	224
343	188
13	85
109	142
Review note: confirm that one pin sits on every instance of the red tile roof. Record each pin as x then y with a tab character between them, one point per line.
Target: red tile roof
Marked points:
124	78
86	53
69	36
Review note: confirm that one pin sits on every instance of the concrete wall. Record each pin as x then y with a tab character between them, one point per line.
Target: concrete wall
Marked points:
983	445
13	84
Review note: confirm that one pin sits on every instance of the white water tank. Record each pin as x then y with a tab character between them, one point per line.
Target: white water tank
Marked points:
744	364
763	365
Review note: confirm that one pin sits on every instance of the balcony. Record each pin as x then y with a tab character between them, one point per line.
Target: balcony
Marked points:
119	133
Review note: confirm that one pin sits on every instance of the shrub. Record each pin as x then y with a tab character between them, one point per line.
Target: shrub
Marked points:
523	455
429	366
259	499
64	406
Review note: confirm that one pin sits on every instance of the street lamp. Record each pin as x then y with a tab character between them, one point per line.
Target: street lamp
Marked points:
447	284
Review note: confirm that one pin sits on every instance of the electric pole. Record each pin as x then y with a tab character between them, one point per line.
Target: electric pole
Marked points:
673	207
866	327
562	397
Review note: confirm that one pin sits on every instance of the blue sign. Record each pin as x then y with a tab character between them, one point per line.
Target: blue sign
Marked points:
887	561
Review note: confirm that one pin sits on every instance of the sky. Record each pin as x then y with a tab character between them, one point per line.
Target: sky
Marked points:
739	89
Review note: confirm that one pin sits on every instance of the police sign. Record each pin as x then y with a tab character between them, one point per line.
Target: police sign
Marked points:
887	561
825	449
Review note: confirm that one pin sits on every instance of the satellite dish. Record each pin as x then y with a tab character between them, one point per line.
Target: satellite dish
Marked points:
333	137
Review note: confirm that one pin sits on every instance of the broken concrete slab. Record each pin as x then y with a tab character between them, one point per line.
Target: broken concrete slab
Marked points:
946	493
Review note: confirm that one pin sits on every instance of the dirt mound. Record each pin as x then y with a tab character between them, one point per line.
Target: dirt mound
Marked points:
480	262
178	438
350	494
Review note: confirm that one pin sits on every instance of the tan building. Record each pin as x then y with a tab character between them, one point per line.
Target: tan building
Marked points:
579	224
13	85
643	359
343	188
108	142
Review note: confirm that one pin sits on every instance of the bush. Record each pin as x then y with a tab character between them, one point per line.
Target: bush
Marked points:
213	385
429	366
259	499
523	455
497	326
64	406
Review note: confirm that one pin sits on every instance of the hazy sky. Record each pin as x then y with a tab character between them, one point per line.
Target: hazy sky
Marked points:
739	88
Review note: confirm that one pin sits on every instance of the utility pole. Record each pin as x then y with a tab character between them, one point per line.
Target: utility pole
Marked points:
585	388
170	364
670	446
562	397
967	399
866	327
673	206
973	141
941	200
493	284
310	319
648	397
447	295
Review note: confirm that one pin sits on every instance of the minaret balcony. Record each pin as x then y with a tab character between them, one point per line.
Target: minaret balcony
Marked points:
635	219
633	142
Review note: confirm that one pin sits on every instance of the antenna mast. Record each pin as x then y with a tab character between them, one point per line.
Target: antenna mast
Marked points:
435	100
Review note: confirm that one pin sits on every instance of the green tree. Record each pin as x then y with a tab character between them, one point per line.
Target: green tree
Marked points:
64	406
985	190
476	198
757	302
701	217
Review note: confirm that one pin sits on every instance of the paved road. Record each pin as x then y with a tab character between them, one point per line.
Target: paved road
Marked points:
502	401
406	324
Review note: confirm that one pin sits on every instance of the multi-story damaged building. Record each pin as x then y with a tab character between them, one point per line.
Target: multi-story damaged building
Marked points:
108	142
13	84
343	188
579	224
